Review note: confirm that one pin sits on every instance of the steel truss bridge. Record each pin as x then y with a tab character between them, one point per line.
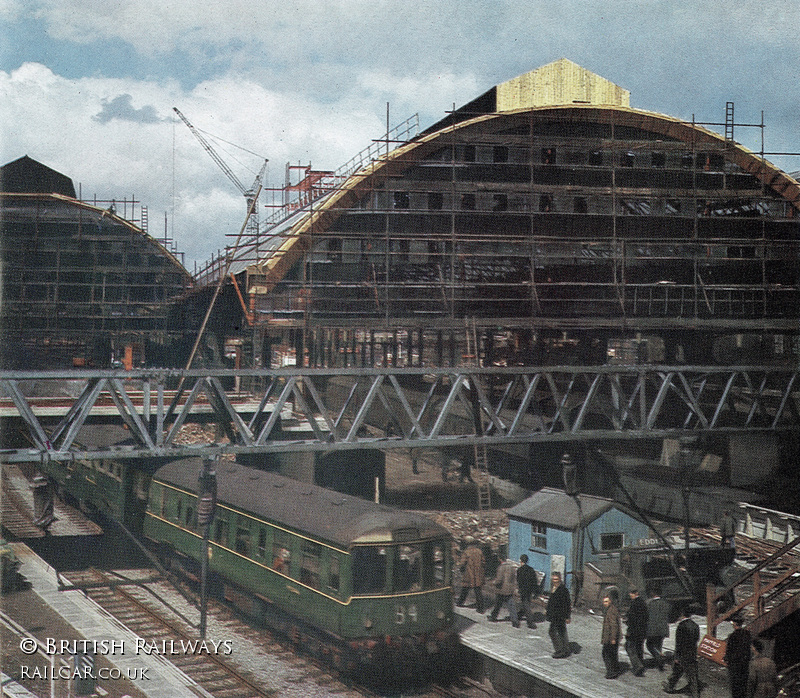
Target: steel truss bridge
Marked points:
352	408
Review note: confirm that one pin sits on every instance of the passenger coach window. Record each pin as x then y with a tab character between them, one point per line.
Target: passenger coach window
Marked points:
369	570
433	567
333	573
243	541
281	557
407	568
310	564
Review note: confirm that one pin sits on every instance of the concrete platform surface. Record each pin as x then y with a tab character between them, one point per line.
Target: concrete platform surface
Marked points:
583	672
45	613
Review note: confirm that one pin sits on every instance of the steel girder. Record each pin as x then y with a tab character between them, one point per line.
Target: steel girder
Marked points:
350	408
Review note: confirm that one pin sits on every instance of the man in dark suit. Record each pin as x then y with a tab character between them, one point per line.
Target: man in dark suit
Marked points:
558	612
657	626
528	585
737	657
636	632
687	635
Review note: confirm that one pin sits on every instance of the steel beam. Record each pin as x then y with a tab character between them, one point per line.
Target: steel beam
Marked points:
429	407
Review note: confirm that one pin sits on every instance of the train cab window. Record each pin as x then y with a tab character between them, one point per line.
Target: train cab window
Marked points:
369	569
242	545
334	576
311	556
433	568
281	555
407	568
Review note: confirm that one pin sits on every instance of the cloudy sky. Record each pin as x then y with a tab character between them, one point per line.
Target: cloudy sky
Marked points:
88	87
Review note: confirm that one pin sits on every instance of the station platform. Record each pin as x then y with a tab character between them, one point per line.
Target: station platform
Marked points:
519	660
43	612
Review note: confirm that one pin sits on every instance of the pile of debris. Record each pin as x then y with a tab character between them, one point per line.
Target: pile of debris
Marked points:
490	527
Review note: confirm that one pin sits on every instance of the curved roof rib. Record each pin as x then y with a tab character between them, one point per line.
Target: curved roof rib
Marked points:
278	263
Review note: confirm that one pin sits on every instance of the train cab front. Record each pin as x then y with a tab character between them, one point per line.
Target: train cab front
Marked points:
400	617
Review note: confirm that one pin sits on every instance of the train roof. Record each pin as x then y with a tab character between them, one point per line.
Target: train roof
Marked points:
324	514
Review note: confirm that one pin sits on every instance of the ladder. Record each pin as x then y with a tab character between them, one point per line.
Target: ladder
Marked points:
480	452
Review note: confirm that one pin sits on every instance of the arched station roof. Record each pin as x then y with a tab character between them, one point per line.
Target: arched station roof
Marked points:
587	98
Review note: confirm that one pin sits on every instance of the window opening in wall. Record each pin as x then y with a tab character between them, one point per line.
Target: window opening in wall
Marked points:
500	153
538	535
658	159
335	250
687	160
546	203
596	158
672	206
468	201
469	153
626	159
401	199
579	204
548	156
435	200
499	202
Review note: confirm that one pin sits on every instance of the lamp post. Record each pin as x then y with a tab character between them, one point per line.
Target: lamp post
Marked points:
206	504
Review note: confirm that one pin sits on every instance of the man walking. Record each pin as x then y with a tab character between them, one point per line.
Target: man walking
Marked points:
528	585
473	568
610	637
557	613
636	632
687	635
657	626
505	581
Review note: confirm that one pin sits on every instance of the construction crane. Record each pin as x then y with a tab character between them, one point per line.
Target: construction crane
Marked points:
249	194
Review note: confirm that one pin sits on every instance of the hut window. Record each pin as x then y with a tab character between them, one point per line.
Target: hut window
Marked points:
538	535
611	541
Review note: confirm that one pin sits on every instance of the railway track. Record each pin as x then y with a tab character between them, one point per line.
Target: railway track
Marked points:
207	668
150	616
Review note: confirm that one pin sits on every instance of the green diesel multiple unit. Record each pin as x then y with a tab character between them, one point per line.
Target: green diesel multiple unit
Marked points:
363	583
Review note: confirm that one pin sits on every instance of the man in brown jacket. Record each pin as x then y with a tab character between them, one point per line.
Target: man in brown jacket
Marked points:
473	568
505	582
611	636
762	679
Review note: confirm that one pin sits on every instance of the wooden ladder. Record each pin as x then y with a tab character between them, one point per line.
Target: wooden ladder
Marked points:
480	451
